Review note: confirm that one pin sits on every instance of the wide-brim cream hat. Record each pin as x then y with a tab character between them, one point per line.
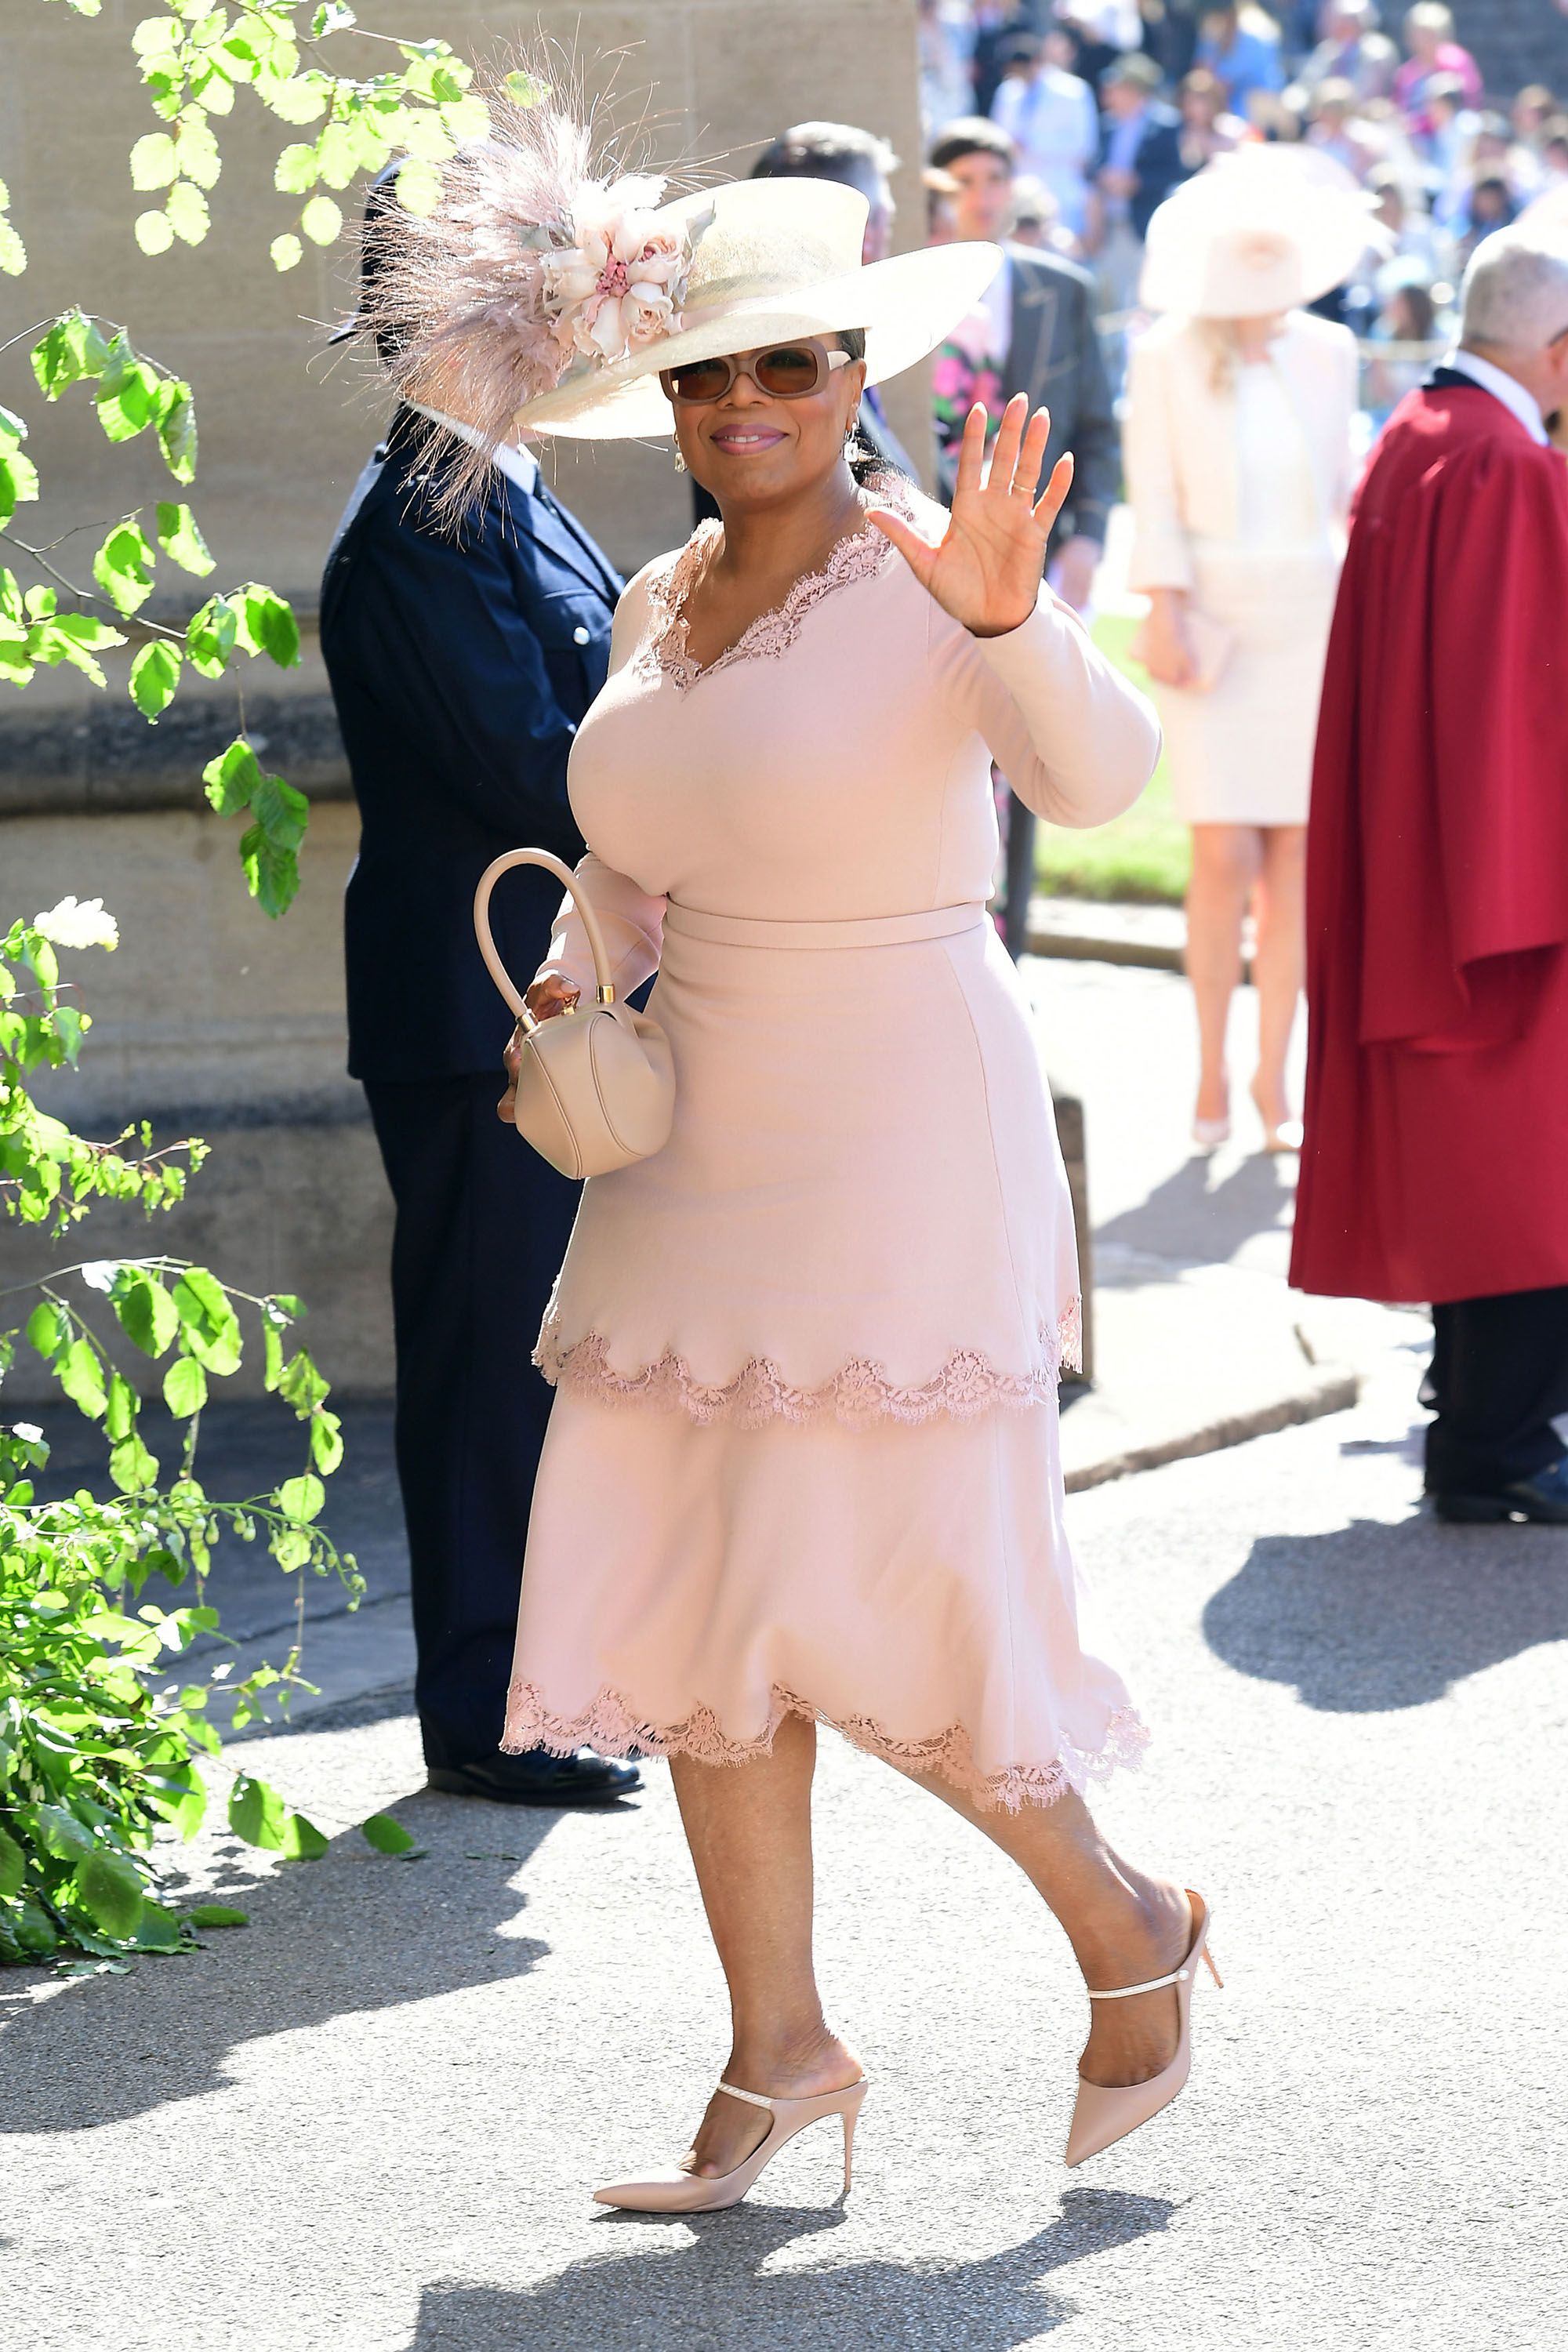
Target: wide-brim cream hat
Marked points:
771	259
1262	231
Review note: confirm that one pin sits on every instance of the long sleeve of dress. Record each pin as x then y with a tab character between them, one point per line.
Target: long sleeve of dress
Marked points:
631	917
1075	740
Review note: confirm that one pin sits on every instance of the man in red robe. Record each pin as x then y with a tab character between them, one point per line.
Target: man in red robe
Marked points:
1435	1157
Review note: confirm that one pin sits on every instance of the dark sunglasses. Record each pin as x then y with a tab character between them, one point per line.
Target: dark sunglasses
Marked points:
784	372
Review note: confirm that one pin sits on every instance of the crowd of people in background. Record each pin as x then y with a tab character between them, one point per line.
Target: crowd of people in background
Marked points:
1110	104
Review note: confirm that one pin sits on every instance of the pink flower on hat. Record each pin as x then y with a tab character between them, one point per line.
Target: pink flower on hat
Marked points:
622	283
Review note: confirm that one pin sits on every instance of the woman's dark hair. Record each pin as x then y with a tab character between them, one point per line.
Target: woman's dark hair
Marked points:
864	460
971	134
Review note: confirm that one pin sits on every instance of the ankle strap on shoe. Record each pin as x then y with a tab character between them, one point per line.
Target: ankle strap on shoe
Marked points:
752	2098
1125	1992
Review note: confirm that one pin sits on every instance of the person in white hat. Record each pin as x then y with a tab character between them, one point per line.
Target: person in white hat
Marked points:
1237	442
803	1461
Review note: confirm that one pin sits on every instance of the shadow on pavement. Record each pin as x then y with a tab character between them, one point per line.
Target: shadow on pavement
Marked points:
354	1931
1374	1617
708	2293
1189	1219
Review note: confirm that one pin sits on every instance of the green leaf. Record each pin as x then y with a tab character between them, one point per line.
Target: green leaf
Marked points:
287	252
295	175
126	392
189	217
210	1326
198	151
302	1841
256	1813
123	567
419	186
232	778
131	1465
321	219
282	812
268	625
179	537
120	1414
153	163
326	1442
304	99
111	1893
73	348
18	483
271	873
217	1915
48	1327
210	637
302	1498
61	1833
79	1375
148	1316
175	424
152	233
13	1866
384	1834
155	675
185	1387
158	1930
273	1346
13	252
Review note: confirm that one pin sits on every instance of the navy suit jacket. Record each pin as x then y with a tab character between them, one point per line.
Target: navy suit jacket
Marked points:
1157	159
460	670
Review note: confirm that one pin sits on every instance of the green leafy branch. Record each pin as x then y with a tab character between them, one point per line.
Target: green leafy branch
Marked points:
97	1754
133	395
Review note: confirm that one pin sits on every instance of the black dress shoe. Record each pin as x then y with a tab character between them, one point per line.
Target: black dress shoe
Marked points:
1544	1497
538	1778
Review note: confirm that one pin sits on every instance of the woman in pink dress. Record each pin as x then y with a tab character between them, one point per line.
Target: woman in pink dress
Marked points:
802	1465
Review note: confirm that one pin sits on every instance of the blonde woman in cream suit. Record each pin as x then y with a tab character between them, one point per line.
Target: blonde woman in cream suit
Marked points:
1239	471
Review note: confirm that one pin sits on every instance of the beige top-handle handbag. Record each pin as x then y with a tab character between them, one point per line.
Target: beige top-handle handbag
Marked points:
596	1085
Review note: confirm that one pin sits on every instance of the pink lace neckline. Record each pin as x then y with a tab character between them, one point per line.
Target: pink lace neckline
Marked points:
860	554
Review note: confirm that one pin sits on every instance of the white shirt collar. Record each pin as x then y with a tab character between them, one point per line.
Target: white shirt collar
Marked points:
1506	388
519	466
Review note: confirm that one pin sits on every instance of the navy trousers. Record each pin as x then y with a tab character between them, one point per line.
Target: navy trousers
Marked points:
481	1228
1498	1381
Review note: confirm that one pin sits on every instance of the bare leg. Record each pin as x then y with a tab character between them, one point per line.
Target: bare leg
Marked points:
1279	961
1225	861
1123	1926
749	1829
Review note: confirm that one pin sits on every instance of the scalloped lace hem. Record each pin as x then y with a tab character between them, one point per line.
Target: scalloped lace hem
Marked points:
612	1727
859	1394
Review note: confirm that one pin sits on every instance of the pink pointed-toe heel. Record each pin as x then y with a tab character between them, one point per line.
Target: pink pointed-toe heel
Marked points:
1106	2113
672	2190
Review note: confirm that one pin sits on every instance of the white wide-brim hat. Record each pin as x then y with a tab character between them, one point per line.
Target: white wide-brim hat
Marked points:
772	259
1264	230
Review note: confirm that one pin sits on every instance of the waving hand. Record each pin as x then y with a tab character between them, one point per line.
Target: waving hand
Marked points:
986	571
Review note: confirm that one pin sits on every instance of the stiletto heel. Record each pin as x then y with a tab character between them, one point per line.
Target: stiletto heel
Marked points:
672	2190
1106	2113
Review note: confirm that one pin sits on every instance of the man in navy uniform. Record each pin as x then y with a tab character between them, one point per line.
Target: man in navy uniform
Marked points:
460	669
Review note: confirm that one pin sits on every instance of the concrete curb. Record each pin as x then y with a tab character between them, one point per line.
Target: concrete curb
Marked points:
1334	1389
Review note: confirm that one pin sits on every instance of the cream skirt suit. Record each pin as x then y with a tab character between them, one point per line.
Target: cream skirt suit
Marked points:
1240	479
803	1454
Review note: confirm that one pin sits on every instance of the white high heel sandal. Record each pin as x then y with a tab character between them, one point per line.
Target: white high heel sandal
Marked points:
1105	2112
672	2190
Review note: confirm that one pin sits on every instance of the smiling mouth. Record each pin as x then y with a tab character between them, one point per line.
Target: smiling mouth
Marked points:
740	439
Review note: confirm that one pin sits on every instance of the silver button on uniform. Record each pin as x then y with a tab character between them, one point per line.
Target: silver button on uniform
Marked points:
579	636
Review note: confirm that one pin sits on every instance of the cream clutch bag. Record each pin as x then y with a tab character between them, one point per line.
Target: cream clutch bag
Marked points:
595	1087
1212	645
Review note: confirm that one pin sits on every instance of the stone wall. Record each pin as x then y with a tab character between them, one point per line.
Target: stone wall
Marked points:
209	1015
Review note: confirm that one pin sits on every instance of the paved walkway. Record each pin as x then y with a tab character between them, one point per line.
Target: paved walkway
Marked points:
368	2122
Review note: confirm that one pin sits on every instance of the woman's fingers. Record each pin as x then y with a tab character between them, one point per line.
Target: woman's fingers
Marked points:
917	553
1005	451
1032	455
971	452
1056	491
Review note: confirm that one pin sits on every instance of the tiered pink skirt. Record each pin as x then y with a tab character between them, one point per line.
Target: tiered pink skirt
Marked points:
803	1452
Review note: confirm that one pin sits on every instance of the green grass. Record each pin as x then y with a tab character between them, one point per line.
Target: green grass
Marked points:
1144	854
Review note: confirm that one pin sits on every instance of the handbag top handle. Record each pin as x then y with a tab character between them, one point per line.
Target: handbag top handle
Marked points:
580	900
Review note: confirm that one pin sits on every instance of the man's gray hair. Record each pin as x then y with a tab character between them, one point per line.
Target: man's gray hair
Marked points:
1515	291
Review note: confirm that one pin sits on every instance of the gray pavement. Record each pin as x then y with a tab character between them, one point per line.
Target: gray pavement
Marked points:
368	2122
